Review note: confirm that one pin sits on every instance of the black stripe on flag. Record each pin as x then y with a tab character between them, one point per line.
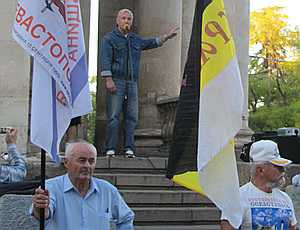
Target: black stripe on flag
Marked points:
183	151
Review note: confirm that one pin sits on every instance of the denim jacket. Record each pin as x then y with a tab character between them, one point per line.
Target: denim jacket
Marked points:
15	170
120	54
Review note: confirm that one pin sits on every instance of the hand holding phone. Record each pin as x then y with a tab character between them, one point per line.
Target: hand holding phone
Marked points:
4	130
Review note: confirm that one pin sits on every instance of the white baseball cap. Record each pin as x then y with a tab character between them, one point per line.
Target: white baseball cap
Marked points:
266	150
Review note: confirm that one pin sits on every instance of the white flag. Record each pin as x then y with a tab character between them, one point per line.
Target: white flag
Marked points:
51	31
220	116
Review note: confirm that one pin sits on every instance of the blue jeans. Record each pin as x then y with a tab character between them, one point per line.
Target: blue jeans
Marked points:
114	107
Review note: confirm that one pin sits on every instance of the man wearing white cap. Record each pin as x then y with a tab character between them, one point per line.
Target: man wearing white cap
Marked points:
264	205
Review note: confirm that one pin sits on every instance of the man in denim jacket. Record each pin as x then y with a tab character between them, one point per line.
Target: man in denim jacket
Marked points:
120	61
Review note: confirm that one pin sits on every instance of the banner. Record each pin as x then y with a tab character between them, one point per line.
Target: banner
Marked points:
51	31
209	113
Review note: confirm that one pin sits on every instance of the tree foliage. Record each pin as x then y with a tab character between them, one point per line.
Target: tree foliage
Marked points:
274	72
92	116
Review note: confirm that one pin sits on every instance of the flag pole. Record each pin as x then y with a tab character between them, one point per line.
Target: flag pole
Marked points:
43	176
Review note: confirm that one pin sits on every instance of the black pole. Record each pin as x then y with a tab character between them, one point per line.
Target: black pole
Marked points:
43	176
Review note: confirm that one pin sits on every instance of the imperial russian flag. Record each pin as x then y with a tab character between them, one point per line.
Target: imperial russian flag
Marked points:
51	32
209	113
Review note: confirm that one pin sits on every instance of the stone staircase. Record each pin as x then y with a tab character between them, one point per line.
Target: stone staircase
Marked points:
158	203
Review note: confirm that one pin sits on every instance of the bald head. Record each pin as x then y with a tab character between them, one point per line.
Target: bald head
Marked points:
80	162
79	146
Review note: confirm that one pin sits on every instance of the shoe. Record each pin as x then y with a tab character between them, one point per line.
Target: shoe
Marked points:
129	153
110	153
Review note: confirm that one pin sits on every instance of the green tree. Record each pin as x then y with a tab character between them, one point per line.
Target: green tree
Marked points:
92	116
274	87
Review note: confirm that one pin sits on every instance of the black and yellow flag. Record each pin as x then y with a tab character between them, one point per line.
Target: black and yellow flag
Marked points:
209	113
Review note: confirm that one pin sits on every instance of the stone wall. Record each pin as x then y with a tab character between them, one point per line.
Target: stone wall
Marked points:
14	213
160	68
294	193
14	78
238	16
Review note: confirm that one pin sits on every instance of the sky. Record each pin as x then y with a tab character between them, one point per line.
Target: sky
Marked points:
93	41
291	9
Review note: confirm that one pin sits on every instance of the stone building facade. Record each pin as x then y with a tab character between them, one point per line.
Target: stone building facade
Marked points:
161	69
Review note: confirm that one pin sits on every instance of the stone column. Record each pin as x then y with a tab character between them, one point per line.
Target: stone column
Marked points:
239	18
188	10
85	6
160	68
14	78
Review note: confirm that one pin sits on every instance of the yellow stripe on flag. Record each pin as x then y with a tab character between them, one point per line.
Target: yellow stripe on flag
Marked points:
217	42
220	114
225	158
189	180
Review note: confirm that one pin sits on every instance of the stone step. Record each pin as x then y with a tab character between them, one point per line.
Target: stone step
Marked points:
121	162
148	142
14	212
164	197
178	227
144	151
137	180
147	134
175	215
147	151
126	171
106	165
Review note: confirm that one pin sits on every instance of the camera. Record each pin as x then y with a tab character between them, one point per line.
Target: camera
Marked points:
4	130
